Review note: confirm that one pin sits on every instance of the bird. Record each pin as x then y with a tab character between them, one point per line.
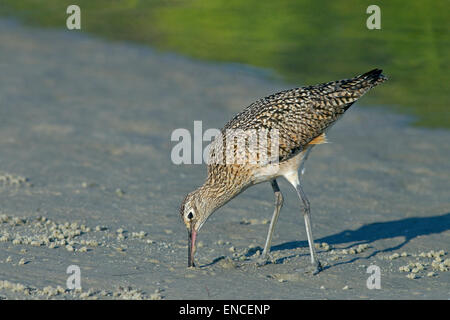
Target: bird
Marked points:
288	124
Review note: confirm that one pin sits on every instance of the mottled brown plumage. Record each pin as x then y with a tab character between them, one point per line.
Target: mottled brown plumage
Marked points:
301	117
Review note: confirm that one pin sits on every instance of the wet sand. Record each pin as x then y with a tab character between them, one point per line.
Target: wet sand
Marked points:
86	179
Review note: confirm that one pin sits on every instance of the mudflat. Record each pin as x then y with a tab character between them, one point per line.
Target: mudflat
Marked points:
86	179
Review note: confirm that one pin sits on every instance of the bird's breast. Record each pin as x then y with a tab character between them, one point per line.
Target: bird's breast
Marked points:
274	170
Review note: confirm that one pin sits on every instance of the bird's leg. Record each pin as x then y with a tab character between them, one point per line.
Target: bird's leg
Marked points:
302	164
278	204
306	215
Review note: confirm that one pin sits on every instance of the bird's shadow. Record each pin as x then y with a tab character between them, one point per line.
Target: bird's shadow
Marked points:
408	228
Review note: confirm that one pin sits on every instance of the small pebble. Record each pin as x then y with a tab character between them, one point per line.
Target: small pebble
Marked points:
394	256
447	262
404	269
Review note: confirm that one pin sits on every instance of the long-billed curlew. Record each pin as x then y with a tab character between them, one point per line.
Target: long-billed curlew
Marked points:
300	117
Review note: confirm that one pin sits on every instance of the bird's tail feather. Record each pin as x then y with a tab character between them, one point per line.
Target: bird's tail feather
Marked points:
350	90
365	82
359	85
371	78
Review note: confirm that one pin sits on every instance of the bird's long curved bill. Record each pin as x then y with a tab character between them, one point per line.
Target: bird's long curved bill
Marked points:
192	235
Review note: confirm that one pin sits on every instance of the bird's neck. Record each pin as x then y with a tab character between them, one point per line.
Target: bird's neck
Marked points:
214	194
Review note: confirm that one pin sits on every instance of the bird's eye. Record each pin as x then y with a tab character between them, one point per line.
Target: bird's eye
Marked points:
190	215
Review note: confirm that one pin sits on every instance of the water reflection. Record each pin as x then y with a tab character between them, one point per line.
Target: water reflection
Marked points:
303	41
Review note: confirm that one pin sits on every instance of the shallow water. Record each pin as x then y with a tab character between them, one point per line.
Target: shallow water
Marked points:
303	42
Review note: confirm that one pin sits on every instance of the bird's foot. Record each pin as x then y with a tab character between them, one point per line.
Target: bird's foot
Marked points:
316	267
313	269
262	260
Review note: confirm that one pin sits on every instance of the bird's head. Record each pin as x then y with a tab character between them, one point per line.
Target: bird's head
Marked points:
199	205
194	214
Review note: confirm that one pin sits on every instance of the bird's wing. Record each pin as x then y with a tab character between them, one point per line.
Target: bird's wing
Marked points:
299	115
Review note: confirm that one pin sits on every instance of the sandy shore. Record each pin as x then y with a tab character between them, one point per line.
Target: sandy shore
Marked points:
86	179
